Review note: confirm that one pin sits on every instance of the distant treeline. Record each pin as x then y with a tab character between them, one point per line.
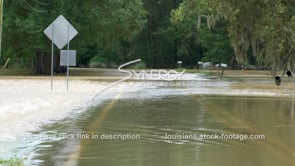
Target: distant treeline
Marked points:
160	32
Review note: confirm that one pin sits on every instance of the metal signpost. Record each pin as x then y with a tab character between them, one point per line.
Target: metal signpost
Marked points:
68	58
60	32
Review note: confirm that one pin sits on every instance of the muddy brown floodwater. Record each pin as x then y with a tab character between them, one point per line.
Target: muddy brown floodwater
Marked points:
199	120
179	130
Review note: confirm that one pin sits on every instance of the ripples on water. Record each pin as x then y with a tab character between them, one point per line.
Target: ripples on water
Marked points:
155	112
193	115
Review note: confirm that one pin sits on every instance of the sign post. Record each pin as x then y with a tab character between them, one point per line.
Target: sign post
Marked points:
60	32
67	58
52	50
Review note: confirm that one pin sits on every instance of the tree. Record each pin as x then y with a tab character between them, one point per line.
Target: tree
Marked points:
261	32
103	25
154	44
199	27
277	34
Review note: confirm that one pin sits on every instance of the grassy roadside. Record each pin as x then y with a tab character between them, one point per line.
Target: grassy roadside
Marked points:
15	72
13	161
106	74
107	71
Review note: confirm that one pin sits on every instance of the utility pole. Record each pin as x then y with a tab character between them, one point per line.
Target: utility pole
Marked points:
1	22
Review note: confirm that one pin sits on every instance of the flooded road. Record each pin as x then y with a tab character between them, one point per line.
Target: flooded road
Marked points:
195	122
161	128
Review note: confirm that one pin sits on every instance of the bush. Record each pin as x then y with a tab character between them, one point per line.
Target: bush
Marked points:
98	61
140	65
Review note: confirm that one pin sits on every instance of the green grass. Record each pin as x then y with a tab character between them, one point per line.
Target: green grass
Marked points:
13	161
14	72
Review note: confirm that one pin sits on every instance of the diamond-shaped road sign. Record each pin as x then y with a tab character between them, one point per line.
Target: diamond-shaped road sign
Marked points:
60	31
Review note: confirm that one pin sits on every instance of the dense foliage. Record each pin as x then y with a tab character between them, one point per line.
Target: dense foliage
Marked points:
161	32
106	28
260	32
